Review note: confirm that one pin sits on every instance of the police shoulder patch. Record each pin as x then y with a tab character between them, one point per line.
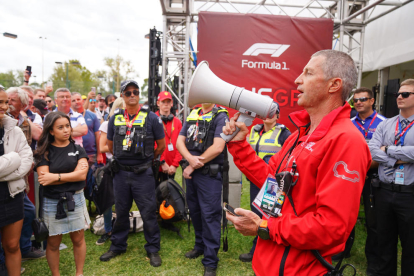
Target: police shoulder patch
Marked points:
116	111
159	120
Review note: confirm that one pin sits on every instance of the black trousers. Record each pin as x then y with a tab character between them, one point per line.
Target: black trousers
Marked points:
371	244
395	218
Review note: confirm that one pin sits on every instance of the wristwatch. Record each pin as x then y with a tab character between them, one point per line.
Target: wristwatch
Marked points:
263	231
386	149
162	162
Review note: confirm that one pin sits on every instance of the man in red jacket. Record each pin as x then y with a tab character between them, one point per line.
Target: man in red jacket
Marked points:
331	160
170	158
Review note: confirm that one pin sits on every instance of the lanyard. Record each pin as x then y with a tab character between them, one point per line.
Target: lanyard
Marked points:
367	129
401	133
165	130
129	123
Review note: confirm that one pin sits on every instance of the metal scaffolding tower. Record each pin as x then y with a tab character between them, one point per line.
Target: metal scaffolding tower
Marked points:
349	17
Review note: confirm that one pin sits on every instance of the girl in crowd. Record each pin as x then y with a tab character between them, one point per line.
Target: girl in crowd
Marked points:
16	160
119	103
62	167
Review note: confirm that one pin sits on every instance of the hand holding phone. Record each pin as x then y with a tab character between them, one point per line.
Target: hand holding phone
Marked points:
29	70
229	209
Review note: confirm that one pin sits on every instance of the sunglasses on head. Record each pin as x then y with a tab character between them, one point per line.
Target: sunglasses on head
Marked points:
405	95
92	100
364	99
128	93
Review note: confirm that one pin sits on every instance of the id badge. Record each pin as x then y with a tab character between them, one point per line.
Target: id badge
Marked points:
399	177
125	145
170	147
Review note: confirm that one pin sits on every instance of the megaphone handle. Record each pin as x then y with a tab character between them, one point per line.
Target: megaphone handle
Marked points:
244	118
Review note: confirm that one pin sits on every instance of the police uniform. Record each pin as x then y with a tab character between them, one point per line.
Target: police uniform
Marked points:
133	179
265	144
367	128
205	186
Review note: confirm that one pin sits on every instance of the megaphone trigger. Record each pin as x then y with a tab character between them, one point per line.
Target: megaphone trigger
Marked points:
243	118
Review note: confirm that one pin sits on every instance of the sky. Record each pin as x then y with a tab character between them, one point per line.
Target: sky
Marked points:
84	30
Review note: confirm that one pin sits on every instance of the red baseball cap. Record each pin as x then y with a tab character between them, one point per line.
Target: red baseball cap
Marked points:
164	95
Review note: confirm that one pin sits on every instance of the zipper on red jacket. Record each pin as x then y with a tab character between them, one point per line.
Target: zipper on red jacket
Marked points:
283	261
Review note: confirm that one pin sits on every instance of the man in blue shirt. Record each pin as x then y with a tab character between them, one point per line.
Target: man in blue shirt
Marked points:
366	121
90	141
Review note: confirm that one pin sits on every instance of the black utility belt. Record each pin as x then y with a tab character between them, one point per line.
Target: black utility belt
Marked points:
212	169
397	187
138	169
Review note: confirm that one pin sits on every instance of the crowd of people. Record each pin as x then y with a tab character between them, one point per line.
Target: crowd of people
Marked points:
333	160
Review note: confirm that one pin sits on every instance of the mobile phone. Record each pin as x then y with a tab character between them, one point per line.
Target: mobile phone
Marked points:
29	68
93	89
229	209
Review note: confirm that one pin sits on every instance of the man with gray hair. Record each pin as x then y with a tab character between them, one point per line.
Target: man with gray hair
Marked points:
327	159
63	102
36	122
18	101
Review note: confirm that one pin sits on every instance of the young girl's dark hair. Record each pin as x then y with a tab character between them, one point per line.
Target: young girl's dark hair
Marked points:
46	138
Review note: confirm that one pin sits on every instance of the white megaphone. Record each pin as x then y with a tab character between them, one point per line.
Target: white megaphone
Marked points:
206	87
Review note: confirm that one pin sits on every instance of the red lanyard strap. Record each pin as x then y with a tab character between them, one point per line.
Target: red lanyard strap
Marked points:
366	130
129	123
398	133
165	129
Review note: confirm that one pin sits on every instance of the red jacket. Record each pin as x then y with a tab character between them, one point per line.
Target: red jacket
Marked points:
332	166
171	157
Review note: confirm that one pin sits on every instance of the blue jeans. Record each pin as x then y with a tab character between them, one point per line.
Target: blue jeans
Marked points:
27	231
107	215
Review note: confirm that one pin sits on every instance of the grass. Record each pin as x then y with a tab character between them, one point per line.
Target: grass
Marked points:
135	262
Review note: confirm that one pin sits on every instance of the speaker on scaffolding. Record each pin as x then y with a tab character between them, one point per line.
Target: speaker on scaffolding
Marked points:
390	102
155	60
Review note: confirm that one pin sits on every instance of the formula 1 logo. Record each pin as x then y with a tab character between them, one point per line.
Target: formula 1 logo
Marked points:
341	171
264	48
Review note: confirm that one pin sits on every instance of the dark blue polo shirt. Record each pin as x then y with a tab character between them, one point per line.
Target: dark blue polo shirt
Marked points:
366	124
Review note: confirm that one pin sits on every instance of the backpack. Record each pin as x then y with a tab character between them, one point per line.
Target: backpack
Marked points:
102	192
172	204
135	222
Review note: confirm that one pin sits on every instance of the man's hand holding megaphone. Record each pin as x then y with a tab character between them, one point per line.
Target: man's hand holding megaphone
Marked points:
230	128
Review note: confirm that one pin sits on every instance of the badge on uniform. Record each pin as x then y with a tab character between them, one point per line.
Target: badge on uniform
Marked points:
170	147
399	175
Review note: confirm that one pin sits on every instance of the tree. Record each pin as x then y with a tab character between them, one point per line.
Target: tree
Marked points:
119	70
144	88
12	79
79	78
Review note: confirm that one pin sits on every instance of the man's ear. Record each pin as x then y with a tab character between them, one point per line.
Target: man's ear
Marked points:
335	85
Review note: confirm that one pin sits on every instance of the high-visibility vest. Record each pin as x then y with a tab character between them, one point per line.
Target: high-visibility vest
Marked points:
266	144
142	142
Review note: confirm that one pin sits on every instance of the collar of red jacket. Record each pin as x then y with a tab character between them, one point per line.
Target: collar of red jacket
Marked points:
301	119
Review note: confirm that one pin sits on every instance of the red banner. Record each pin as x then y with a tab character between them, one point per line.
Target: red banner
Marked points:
262	53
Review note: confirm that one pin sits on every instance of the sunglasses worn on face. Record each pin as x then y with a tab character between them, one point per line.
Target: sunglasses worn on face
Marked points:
128	93
405	95
364	99
49	101
92	100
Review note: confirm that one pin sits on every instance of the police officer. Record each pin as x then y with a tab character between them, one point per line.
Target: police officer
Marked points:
131	136
200	144
266	139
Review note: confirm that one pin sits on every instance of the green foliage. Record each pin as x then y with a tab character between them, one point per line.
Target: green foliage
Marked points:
173	248
119	70
144	89
12	78
79	78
